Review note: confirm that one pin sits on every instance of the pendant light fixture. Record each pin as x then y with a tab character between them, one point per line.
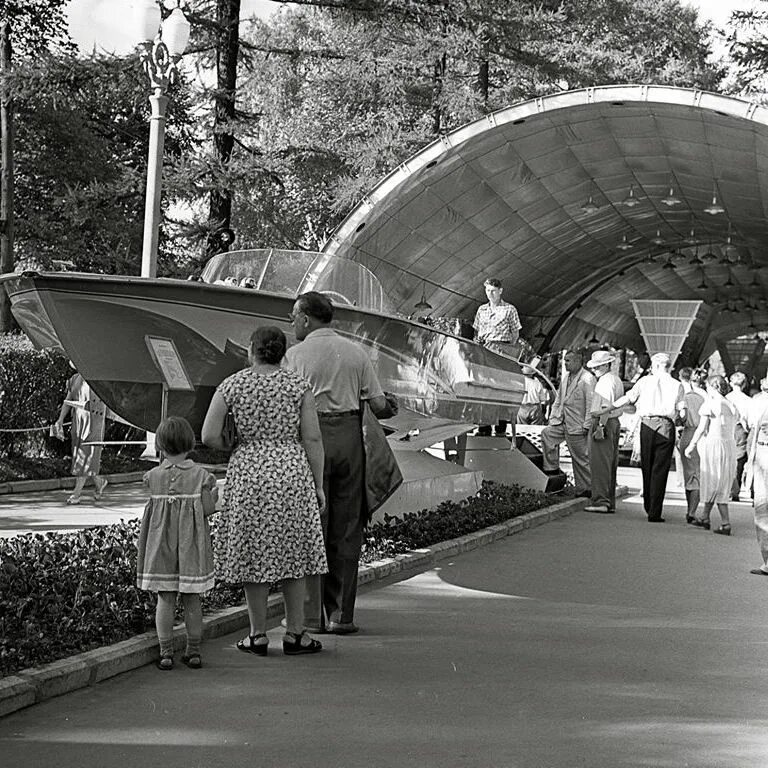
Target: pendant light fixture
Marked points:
657	239
630	201
623	244
709	255
590	206
714	208
671	199
423	305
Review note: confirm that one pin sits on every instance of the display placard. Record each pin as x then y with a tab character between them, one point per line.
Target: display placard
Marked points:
166	358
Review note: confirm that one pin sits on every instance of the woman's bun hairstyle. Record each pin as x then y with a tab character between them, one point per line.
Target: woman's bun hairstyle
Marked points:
268	344
720	384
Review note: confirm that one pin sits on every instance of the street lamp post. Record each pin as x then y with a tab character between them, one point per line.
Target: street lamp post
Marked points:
160	49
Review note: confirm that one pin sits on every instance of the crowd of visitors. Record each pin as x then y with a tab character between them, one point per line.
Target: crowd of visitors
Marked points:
305	472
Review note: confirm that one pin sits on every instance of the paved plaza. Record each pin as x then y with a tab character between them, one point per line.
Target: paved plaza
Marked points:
597	641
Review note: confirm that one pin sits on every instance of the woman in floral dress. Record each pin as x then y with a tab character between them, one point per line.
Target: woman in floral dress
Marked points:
269	529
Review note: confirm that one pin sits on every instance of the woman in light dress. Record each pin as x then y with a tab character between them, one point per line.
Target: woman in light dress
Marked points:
716	441
88	413
694	399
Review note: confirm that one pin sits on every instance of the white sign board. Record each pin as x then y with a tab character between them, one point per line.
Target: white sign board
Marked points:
167	359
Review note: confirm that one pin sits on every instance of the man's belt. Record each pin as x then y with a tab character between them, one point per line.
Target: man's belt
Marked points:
333	414
658	416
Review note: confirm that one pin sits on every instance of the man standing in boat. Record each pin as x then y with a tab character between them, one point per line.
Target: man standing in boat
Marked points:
497	327
341	376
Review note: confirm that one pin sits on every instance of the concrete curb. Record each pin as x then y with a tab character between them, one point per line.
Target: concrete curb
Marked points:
30	686
66	483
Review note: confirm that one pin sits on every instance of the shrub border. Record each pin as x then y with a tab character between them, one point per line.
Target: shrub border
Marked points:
30	686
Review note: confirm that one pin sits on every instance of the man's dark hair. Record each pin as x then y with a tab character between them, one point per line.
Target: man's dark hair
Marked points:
493	282
316	305
685	373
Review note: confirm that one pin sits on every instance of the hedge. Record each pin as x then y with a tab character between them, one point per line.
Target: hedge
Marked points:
64	593
32	387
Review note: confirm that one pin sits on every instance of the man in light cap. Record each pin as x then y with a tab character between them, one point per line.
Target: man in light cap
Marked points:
659	400
570	421
604	433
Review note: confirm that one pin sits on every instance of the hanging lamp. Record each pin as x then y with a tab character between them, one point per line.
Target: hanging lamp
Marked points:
423	305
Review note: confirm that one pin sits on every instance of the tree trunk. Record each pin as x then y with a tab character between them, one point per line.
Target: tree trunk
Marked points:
6	175
437	92
220	210
482	80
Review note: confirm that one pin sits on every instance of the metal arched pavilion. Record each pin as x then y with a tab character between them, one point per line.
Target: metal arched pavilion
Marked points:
580	202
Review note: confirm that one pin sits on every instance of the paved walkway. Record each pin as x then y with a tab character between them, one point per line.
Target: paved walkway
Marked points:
596	641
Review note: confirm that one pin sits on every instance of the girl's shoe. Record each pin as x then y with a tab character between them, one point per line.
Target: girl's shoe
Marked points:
293	646
73	499
193	661
724	530
260	649
165	663
689	519
696	523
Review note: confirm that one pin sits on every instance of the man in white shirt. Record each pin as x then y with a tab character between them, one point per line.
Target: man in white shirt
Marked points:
743	403
569	421
532	409
659	400
604	433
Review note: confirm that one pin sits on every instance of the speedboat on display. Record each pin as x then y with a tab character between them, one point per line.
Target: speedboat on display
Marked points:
155	346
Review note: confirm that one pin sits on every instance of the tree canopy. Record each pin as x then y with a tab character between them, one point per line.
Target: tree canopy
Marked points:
326	98
335	95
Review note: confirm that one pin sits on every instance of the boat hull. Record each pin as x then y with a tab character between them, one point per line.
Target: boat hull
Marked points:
103	324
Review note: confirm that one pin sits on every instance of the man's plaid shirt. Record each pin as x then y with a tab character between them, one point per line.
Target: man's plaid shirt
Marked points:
499	323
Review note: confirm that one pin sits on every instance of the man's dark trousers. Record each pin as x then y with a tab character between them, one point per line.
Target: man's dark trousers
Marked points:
343	518
657	442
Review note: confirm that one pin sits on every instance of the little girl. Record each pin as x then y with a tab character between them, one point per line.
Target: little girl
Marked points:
175	553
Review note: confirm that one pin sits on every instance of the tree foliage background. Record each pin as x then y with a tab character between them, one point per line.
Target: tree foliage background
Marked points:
328	97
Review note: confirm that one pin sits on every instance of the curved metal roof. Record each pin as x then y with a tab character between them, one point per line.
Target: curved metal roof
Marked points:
507	195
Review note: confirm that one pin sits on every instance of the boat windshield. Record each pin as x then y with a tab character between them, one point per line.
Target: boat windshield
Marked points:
294	272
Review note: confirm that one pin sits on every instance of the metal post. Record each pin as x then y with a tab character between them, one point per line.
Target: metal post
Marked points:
6	176
159	103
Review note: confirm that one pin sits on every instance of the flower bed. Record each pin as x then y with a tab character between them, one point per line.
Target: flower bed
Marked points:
64	593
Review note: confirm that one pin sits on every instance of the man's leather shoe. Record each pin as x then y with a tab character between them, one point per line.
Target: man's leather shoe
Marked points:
342	628
656	520
600	509
759	572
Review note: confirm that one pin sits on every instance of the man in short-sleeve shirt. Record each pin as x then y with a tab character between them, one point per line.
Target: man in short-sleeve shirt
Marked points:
341	375
659	400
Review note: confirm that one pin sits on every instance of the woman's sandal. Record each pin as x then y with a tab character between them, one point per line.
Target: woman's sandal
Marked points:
723	530
73	499
193	661
295	647
251	646
165	663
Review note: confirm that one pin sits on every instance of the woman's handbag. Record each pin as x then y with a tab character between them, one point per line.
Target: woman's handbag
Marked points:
229	432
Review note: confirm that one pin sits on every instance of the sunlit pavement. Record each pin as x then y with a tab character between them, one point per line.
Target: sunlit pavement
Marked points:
591	641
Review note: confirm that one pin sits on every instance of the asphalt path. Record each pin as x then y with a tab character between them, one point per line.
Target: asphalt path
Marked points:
594	640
